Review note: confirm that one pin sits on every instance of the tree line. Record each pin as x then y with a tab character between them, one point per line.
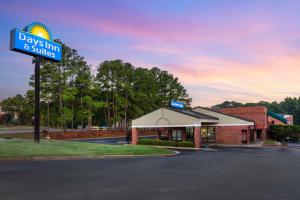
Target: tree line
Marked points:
290	105
72	96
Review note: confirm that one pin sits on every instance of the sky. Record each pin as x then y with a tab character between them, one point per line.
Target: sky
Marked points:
235	50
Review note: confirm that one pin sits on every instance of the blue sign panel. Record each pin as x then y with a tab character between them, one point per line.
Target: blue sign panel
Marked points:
30	44
177	104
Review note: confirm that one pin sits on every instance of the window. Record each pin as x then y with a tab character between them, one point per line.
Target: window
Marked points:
211	132
203	132
190	133
176	135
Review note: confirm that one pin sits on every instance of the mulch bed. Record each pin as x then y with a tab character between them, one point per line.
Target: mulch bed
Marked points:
91	134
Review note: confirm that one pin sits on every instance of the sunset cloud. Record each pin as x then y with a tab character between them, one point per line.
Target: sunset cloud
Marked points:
220	50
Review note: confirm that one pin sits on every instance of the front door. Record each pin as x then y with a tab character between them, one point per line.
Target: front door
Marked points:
244	136
251	135
259	134
207	135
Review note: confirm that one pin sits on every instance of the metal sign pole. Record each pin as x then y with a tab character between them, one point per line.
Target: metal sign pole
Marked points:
37	100
21	41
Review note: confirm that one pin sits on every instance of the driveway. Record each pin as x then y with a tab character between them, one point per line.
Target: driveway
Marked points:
294	144
229	173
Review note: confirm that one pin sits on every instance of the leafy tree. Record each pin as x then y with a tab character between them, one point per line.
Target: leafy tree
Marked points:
130	92
15	106
229	104
59	88
118	93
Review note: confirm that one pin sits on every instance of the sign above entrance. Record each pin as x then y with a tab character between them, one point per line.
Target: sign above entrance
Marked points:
177	104
36	40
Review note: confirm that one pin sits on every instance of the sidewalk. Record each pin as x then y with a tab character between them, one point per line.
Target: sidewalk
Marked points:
252	145
294	145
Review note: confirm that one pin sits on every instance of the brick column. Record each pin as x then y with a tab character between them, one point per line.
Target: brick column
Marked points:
264	134
134	136
197	136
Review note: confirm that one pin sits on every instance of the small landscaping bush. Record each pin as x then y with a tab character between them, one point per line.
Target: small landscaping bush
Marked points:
283	133
166	143
185	144
157	142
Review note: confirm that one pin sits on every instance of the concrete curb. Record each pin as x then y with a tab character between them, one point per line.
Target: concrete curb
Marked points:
273	145
37	158
178	148
238	146
188	148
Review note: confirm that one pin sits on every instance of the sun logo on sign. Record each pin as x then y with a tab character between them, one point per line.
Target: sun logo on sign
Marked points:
39	29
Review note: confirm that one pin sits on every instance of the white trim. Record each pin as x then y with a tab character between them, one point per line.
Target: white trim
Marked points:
167	126
190	125
162	115
209	120
232	124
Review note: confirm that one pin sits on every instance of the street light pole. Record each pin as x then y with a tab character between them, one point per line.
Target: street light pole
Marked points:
37	99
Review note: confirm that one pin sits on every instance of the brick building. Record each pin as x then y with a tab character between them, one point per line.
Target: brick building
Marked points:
201	125
261	116
240	125
230	129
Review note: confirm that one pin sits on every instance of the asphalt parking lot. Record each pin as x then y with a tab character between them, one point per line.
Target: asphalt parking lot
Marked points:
230	173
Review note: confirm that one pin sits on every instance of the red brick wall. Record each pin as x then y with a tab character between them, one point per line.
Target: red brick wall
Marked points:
231	134
276	121
95	134
258	114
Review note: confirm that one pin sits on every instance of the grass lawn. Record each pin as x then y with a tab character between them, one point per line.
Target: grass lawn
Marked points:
270	142
26	148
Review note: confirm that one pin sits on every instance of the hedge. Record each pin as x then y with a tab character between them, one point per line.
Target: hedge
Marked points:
185	144
283	133
166	143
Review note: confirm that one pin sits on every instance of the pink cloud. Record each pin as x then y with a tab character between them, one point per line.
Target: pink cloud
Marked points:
261	61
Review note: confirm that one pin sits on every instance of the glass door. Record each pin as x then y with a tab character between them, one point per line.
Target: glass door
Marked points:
207	134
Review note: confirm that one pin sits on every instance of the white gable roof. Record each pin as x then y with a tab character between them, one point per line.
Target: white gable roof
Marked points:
165	117
224	119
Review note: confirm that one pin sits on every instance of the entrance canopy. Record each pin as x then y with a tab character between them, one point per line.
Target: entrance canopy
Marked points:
171	117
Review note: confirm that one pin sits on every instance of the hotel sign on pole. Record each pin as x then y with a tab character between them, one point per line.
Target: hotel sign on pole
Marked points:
36	40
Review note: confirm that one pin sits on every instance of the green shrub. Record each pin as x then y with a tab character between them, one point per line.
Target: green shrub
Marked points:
165	143
283	133
157	142
185	144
